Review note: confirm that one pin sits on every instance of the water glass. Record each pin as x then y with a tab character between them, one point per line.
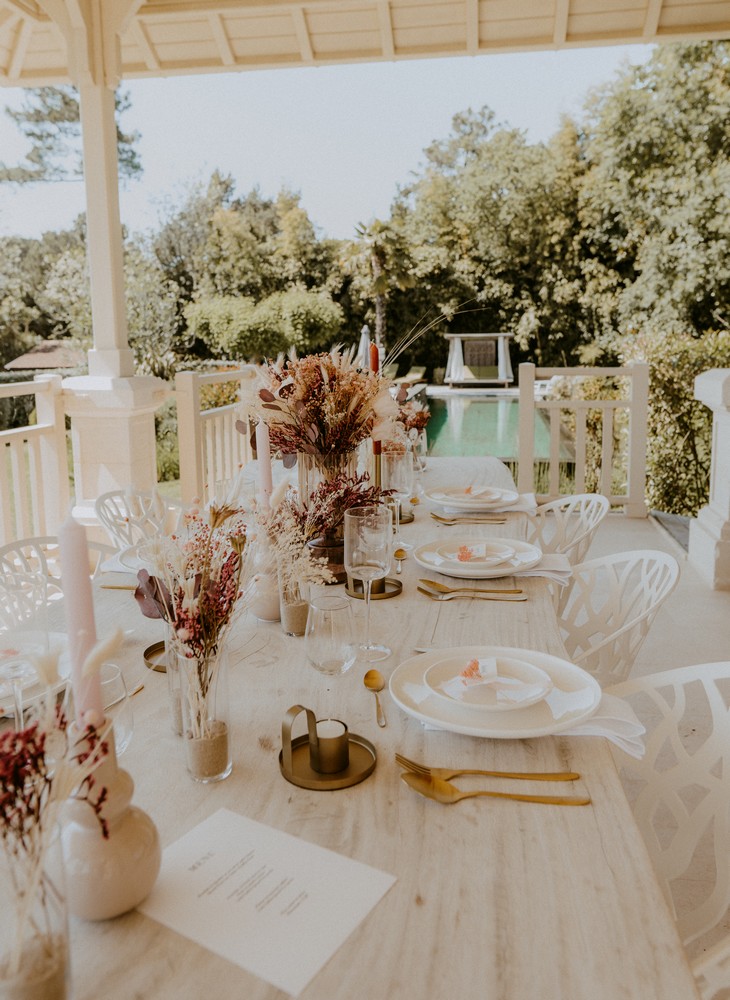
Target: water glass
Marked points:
368	544
329	643
397	475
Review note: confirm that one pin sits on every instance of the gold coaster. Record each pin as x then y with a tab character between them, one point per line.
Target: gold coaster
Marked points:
362	764
154	657
392	589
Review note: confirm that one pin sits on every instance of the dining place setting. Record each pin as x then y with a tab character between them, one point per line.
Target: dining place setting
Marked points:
285	787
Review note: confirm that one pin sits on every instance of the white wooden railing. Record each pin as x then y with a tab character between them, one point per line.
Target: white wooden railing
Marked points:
621	476
212	451
34	486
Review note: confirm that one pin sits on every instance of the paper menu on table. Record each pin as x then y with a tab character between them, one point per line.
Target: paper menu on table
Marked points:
275	905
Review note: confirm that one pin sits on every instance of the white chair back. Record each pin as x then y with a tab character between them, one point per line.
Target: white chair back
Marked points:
40	557
568	524
130	516
680	793
607	610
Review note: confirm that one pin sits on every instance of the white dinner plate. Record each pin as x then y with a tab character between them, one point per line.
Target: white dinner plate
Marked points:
575	696
483	564
459	498
442	678
130	559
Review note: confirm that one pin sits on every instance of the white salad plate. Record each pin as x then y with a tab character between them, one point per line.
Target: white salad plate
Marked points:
575	696
485	498
481	558
528	683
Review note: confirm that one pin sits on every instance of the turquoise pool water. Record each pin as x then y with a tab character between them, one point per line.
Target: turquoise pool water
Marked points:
479	425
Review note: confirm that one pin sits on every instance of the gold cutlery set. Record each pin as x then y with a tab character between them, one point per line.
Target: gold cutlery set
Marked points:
434	783
440	592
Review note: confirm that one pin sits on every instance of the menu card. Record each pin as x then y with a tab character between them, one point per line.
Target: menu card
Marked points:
275	905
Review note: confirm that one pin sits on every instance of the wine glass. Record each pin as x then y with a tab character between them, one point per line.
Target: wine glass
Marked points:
328	639
397	475
117	708
23	635
368	541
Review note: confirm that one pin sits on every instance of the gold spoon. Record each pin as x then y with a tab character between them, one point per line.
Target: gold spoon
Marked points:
399	555
374	681
444	791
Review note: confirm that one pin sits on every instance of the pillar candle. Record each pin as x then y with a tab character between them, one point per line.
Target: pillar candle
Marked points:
374	358
263	456
80	625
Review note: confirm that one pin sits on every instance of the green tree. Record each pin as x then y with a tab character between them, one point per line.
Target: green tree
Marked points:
50	119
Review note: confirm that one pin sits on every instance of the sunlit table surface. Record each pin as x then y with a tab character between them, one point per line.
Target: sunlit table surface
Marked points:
494	900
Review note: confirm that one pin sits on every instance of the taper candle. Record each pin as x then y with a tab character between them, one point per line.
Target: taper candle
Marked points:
375	367
80	624
263	456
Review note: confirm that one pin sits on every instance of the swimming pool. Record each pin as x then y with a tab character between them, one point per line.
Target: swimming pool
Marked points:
480	425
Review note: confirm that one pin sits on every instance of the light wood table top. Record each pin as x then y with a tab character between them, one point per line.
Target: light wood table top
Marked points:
494	900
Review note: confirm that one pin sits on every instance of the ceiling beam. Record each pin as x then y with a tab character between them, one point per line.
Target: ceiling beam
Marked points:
651	20
303	37
560	24
221	39
26	8
387	41
472	26
20	47
151	59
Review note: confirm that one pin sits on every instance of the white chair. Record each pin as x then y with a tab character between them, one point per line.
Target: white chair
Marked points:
131	516
568	524
40	556
681	801
21	595
608	608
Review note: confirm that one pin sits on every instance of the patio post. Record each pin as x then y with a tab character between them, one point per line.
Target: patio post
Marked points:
111	409
709	533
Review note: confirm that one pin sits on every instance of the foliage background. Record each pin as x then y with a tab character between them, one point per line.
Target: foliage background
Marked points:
609	242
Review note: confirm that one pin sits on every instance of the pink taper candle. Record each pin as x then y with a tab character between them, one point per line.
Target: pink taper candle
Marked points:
80	625
263	456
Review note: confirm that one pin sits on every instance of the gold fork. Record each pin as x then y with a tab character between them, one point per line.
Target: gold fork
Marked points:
476	595
468	520
444	791
443	589
445	774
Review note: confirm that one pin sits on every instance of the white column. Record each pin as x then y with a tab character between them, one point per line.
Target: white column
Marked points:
111	355
709	533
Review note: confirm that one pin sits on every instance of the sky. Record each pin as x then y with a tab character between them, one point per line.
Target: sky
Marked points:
344	137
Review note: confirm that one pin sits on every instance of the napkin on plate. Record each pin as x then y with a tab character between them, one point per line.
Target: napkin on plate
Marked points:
616	721
507	689
486	554
553	565
525	504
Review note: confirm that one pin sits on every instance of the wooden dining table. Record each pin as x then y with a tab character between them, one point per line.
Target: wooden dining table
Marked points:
493	899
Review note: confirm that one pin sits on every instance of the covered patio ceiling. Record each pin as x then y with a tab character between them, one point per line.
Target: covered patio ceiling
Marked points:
169	37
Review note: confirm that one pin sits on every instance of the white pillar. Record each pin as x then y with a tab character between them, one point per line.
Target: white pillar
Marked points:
709	533
111	355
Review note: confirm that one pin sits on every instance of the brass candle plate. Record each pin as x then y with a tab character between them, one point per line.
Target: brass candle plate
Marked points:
362	764
154	657
392	589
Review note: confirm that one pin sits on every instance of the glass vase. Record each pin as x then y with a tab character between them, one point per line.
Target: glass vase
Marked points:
205	714
264	602
312	470
294	605
172	669
34	954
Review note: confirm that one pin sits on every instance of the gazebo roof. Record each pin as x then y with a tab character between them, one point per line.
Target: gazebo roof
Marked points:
170	37
48	354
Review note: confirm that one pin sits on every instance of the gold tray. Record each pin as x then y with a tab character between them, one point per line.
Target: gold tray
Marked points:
362	764
392	589
154	657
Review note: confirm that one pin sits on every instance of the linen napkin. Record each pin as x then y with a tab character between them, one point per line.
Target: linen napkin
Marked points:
553	565
483	672
616	721
486	554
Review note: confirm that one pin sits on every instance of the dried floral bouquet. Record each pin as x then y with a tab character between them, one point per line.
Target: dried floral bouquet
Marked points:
202	575
41	767
321	405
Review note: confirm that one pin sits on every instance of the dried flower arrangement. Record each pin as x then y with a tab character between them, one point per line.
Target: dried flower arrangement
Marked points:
321	405
202	574
41	767
414	417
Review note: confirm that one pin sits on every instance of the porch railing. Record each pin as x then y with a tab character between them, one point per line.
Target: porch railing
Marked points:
596	445
34	476
211	449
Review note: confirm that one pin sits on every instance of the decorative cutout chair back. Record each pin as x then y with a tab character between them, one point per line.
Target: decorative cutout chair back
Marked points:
40	557
607	610
21	594
568	524
130	516
680	792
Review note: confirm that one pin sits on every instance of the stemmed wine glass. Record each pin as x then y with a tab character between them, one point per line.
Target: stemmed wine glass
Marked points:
397	475
368	541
